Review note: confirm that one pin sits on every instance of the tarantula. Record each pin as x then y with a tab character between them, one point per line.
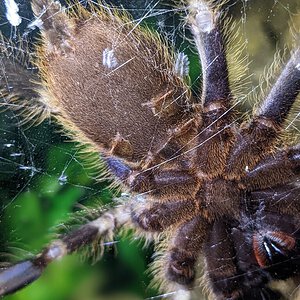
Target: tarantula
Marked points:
200	183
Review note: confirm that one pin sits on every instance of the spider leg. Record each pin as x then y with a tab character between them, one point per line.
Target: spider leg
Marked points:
165	182
282	96
206	27
278	169
15	80
257	138
220	260
157	182
215	140
267	242
232	269
18	276
183	255
162	215
19	82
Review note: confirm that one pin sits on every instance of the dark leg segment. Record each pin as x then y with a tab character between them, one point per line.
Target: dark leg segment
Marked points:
19	276
220	259
164	183
278	169
162	215
257	139
168	182
283	94
23	273
205	24
186	248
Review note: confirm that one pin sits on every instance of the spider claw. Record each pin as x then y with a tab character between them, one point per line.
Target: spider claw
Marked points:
18	276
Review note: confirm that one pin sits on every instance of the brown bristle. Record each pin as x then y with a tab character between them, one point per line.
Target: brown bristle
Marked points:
112	83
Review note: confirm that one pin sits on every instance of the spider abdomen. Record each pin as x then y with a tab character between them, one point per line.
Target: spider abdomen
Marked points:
111	83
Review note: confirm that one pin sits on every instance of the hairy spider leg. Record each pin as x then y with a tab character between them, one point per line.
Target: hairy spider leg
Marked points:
257	138
184	251
163	215
276	169
214	139
231	265
102	228
222	272
206	24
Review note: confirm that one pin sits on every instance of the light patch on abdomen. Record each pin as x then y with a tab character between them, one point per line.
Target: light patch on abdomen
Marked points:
109	59
182	63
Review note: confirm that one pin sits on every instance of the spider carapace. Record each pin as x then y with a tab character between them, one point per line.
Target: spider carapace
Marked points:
200	182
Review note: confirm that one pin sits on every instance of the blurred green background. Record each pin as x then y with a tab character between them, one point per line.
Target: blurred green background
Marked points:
43	179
